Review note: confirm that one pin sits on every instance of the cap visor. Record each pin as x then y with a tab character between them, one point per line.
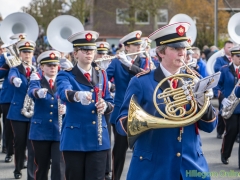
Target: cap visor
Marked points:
27	51
87	47
182	44
51	63
102	52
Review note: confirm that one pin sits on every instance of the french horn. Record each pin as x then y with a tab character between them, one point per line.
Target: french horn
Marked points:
59	29
175	115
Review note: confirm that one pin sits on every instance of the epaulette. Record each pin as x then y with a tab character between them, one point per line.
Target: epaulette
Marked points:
143	73
193	72
68	69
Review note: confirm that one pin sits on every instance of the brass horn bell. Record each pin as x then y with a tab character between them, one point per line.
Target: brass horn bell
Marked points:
175	114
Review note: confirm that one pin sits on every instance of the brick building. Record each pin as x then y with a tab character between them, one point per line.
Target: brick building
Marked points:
108	19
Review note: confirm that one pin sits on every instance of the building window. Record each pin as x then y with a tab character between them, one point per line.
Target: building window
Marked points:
121	16
142	17
162	16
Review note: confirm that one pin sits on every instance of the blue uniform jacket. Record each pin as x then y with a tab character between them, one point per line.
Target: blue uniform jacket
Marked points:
227	82
220	62
7	88
80	125
19	94
44	123
122	75
159	150
202	69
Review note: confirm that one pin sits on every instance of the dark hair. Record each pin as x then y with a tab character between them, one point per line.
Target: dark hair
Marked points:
228	41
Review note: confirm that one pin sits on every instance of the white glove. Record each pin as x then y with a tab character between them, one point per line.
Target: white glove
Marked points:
65	64
226	102
109	85
84	97
34	76
62	109
209	93
17	82
104	64
101	106
123	58
42	92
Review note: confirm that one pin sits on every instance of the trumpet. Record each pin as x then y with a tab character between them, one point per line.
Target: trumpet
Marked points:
112	57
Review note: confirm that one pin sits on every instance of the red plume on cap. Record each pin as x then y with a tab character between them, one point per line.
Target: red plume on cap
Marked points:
52	55
180	30
88	37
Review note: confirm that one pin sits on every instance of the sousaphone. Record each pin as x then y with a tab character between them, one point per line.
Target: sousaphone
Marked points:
16	23
234	33
59	29
192	31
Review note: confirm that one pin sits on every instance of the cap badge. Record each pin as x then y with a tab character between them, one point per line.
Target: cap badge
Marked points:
180	30
27	44
189	41
88	37
101	45
52	55
138	36
20	36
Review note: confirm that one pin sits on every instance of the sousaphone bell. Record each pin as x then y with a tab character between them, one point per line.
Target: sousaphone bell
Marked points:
59	29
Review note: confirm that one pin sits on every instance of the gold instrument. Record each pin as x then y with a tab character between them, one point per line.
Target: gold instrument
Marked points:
174	101
112	57
14	59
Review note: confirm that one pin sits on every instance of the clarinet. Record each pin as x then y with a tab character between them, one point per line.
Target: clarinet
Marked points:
99	113
59	116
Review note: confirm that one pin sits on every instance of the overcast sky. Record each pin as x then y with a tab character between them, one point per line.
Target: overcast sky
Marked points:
10	6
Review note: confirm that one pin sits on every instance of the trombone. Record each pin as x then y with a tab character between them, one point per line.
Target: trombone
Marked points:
112	57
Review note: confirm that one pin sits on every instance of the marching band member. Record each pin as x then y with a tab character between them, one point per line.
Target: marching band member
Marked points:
222	61
228	79
165	152
5	99
122	69
85	138
102	50
201	65
19	77
44	128
153	61
226	59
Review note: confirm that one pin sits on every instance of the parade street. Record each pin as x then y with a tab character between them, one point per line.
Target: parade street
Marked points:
211	148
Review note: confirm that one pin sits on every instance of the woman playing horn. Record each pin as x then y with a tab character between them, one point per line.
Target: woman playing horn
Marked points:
172	151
